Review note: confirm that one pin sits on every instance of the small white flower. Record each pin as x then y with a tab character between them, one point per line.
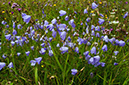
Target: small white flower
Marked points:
93	14
123	9
112	12
115	22
58	17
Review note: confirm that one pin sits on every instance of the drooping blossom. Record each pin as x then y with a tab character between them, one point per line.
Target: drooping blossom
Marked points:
63	35
93	50
26	18
74	71
85	11
116	52
2	64
101	21
115	64
42	51
77	49
126	14
62	12
10	65
18	54
38	60
54	21
104	48
94	5
8	37
106	39
64	49
50	53
71	22
62	27
121	43
66	18
33	62
27	53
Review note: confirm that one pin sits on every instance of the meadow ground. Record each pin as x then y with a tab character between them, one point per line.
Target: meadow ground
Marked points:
64	42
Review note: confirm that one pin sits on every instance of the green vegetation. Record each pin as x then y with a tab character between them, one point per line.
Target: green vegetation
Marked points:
49	64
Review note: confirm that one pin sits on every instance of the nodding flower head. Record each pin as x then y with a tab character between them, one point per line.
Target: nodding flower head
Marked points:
104	48
92	27
97	28
94	61
12	43
71	22
62	12
8	37
85	11
54	21
32	47
101	15
97	35
58	45
27	53
33	62
93	50
14	25
121	43
88	19
42	51
102	64
2	64
112	40
77	49
106	39
87	57
64	49
38	60
116	42
26	18
101	21
86	53
63	35
116	52
4	56
3	22
62	27
94	5
126	14
14	32
54	34
10	65
18	54
115	64
66	18
19	26
50	53
74	71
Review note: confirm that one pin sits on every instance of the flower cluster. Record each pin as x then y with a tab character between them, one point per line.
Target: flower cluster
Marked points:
66	34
